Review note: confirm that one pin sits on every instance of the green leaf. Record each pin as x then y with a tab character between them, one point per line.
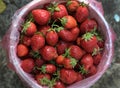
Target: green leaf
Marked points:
2	6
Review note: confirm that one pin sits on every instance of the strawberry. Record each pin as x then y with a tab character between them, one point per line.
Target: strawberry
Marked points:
76	52
66	35
68	76
79	77
69	63
68	22
37	42
60	59
27	65
44	29
43	79
97	59
87	61
78	41
39	62
41	16
52	38
59	84
89	42
72	5
101	44
61	46
22	50
88	25
82	13
26	40
92	70
48	68
29	28
58	11
48	53
75	31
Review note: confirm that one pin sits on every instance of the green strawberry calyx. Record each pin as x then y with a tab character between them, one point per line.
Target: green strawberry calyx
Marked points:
35	54
73	62
83	4
88	36
82	70
63	21
55	27
68	3
47	82
53	7
26	24
42	69
97	34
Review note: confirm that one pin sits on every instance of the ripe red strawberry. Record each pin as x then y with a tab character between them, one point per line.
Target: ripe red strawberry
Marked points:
79	39
92	70
69	63
88	25
37	42
79	77
29	28
48	68
52	38
76	52
82	14
68	22
42	79
26	40
87	61
97	58
59	84
48	53
27	65
41	16
61	46
101	44
72	5
59	11
44	29
75	31
89	42
66	35
39	62
22	50
60	59
68	76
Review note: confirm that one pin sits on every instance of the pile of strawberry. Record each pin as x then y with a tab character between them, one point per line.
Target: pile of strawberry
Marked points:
60	44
